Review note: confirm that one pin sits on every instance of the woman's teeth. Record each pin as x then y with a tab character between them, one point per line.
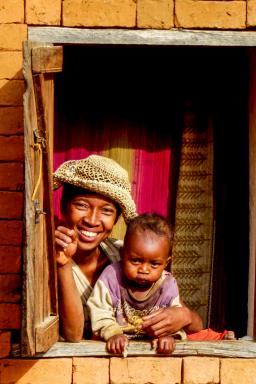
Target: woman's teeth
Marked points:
88	234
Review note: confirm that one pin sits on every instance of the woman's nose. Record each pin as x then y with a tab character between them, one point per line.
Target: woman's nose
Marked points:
91	217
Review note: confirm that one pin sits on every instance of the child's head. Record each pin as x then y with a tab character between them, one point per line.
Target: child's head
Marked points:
147	248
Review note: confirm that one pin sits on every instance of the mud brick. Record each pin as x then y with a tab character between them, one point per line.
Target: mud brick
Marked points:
12	35
11	11
11	176
47	12
98	13
11	120
10	288
143	370
11	92
11	148
5	344
11	232
155	14
11	205
210	14
42	371
10	259
10	316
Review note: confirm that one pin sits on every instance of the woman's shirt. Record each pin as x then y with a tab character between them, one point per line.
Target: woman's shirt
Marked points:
111	248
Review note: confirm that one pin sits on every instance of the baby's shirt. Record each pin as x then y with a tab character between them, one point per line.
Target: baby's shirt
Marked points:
114	310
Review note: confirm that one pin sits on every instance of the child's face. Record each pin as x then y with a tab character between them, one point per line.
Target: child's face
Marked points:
144	258
92	217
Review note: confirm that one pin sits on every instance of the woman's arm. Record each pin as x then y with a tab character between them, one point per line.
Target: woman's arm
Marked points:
195	322
170	320
70	304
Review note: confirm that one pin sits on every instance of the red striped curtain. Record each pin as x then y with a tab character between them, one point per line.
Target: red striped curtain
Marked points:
145	153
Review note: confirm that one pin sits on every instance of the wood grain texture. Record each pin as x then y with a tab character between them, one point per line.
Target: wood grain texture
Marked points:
40	320
239	348
209	38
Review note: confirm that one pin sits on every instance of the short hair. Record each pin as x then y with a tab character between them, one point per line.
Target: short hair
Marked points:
152	222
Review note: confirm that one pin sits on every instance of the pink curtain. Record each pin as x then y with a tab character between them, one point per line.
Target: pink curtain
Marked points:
151	181
145	153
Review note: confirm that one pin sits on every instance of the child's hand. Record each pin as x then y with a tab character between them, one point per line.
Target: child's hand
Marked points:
164	345
117	344
66	244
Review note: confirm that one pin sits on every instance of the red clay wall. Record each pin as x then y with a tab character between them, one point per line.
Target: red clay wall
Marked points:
132	370
15	15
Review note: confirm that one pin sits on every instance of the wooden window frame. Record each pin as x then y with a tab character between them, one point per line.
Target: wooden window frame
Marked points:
40	322
40	37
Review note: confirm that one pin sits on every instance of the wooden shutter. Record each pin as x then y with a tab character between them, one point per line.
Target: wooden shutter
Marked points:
40	309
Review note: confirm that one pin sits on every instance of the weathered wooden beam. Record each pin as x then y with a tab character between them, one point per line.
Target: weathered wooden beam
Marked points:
47	59
60	35
237	348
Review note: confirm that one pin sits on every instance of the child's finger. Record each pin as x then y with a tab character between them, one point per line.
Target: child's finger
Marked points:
166	345
154	344
111	346
163	347
125	347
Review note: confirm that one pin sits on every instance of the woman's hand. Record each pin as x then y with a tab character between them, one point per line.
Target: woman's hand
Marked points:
164	345
170	320
117	344
66	244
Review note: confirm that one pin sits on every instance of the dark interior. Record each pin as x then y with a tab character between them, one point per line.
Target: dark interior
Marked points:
154	84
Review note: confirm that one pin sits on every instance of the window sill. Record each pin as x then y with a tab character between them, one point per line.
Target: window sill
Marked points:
86	348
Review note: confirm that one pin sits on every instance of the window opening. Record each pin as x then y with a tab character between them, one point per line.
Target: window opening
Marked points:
129	103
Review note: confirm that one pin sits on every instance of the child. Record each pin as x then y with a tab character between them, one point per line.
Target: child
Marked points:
136	286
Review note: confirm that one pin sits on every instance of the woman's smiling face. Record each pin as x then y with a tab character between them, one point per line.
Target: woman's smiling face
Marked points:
92	216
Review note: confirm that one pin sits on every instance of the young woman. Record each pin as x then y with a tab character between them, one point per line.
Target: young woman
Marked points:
96	190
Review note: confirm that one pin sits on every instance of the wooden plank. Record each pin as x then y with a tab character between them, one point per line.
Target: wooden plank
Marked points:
47	333
44	96
238	348
44	92
39	265
29	294
47	59
172	37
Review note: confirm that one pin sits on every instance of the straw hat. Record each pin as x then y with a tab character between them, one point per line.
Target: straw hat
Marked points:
101	175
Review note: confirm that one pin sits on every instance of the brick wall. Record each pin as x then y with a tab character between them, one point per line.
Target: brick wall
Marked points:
132	370
12	31
15	16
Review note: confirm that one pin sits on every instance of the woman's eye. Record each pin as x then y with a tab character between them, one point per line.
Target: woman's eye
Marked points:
108	211
80	205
